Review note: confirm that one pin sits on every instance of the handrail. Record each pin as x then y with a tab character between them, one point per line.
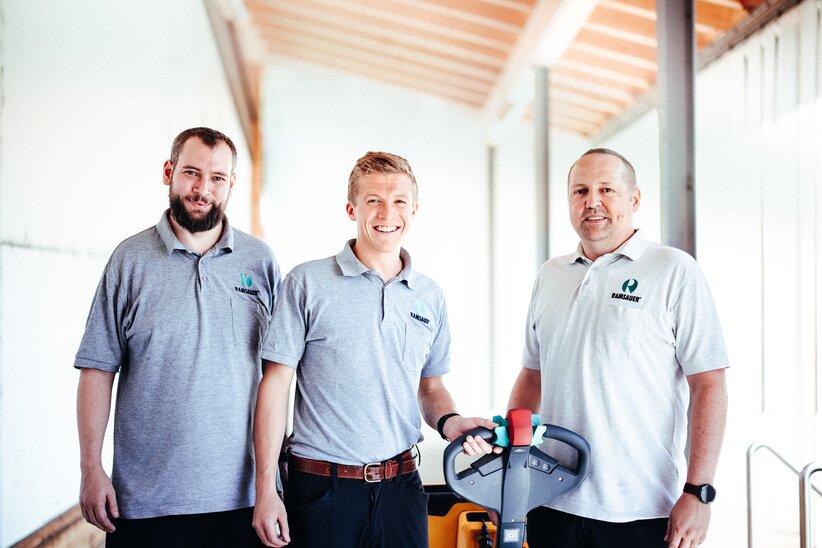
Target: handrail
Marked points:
805	531
805	497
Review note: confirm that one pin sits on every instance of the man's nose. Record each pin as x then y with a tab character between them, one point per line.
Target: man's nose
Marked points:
592	201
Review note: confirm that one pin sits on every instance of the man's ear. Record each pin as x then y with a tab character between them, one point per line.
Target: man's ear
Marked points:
231	181
352	214
168	169
636	198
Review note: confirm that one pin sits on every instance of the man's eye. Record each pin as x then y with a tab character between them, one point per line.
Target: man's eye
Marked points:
219	179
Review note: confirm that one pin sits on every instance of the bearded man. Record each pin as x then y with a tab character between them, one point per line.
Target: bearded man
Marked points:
179	313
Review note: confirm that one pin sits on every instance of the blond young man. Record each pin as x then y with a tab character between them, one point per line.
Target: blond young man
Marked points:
368	338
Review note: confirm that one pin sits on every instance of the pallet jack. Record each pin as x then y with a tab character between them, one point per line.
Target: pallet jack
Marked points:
510	483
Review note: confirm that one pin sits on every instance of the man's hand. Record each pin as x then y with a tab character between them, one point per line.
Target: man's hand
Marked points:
688	523
96	494
456	426
270	520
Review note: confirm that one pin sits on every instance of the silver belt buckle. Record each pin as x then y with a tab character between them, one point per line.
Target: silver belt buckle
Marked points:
365	472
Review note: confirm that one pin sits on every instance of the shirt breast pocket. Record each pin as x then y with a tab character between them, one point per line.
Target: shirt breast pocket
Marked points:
618	328
248	322
416	347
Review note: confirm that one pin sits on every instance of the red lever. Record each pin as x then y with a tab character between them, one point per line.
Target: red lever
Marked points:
520	427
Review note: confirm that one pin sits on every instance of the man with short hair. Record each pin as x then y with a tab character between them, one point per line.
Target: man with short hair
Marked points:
179	312
368	337
620	336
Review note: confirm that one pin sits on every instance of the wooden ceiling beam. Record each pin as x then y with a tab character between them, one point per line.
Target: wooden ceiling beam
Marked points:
355	55
297	16
411	9
616	45
391	76
465	10
550	27
491	13
357	17
719	17
597	61
558	92
598	77
560	78
285	27
519	5
611	73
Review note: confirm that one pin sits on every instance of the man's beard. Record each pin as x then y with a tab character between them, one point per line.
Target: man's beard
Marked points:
211	219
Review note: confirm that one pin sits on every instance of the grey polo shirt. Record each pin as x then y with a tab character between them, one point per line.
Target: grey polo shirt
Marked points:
184	332
614	340
360	347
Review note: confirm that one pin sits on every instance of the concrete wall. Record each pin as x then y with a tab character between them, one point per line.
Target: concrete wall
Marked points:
91	95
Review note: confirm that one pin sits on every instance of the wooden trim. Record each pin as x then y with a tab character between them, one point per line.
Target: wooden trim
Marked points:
345	17
67	529
388	76
345	54
243	77
293	29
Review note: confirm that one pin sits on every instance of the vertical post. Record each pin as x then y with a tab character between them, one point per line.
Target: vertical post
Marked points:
805	521
492	293
542	142
675	80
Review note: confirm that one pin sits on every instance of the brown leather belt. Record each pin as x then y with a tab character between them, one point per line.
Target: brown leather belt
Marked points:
372	472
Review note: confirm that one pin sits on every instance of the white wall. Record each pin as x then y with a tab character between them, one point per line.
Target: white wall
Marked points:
93	92
317	123
515	242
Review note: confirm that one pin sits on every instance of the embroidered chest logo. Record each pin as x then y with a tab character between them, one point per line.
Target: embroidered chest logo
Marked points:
419	311
628	287
245	285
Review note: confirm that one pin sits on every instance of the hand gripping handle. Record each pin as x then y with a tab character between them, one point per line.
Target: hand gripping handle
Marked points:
473	483
482	481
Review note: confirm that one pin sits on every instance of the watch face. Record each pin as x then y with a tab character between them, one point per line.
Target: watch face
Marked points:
707	493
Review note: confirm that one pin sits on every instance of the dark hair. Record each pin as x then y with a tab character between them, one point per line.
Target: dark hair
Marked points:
208	136
630	173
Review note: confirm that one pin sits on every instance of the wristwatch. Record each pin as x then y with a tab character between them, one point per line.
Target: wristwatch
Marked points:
705	492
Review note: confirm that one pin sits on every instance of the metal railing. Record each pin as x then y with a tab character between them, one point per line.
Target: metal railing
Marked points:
805	531
805	487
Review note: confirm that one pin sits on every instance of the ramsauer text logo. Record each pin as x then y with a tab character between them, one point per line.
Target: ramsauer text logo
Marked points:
630	286
245	285
420	310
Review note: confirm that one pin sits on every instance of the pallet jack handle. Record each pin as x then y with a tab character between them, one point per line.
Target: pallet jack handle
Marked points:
520	478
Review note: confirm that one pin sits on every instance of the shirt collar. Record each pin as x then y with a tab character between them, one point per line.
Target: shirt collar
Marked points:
226	241
350	265
633	248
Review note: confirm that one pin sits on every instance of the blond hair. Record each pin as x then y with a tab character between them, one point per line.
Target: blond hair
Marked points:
381	163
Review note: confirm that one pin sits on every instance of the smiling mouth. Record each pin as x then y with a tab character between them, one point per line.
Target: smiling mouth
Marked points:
198	203
594	218
386	229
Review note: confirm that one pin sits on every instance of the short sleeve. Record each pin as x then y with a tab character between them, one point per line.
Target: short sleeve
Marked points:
104	345
439	356
530	351
700	345
285	340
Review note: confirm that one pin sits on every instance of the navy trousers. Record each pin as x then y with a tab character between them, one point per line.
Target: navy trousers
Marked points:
548	528
212	530
329	511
